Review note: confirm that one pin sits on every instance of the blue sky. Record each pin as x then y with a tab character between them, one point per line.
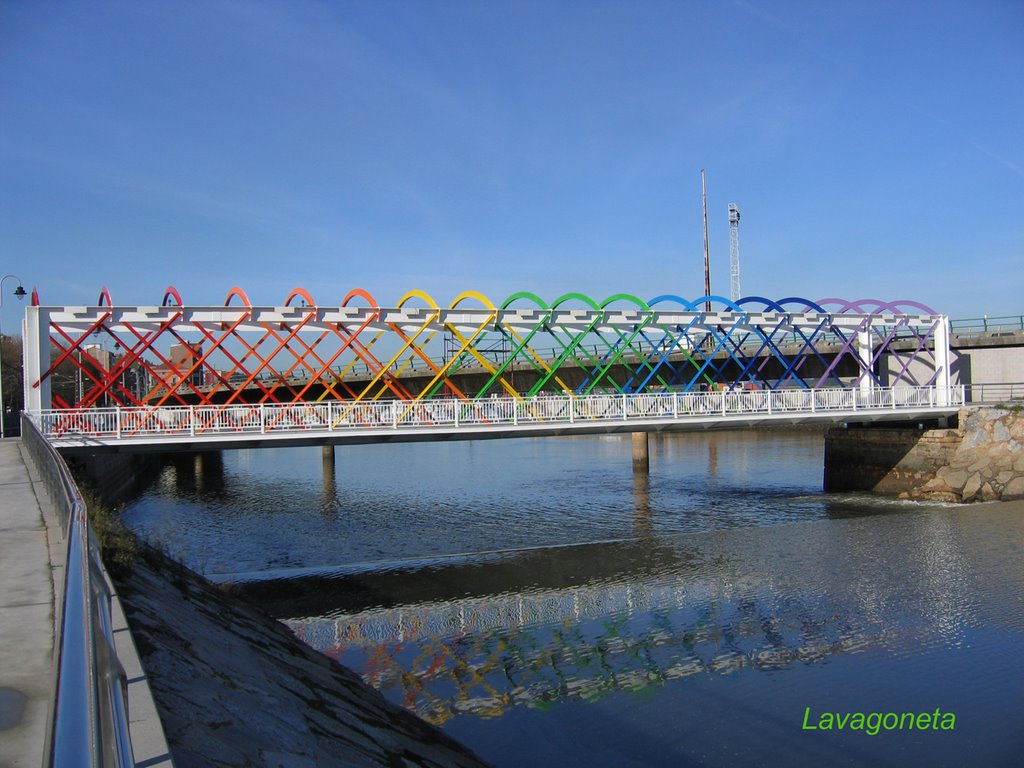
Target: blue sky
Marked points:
874	149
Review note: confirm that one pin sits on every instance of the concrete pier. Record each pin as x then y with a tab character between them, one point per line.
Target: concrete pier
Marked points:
641	453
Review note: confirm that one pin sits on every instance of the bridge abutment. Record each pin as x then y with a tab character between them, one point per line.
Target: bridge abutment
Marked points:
980	460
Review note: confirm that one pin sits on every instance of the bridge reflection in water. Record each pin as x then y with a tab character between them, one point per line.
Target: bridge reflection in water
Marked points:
481	635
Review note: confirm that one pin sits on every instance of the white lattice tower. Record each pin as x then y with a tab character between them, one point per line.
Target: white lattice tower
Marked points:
734	251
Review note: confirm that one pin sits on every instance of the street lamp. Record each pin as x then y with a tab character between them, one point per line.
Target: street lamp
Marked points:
20	293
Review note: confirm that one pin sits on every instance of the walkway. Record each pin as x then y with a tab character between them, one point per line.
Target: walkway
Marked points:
241	425
32	554
26	615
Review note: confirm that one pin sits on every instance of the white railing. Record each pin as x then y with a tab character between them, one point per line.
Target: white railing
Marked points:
494	412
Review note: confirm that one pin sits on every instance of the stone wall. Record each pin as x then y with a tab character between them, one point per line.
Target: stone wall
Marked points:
887	461
981	460
987	465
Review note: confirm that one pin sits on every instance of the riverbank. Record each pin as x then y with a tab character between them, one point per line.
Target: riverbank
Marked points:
234	687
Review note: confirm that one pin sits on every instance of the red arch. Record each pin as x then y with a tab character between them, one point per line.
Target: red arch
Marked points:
172	293
104	294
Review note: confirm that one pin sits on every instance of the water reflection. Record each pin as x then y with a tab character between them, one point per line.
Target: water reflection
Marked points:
484	636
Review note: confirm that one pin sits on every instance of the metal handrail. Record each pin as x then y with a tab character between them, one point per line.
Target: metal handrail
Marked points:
994	393
215	421
978	325
89	717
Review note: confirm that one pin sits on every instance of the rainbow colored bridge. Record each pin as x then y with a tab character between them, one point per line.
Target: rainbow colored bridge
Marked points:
178	377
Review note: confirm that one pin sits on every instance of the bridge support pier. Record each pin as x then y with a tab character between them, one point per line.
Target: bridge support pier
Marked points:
641	453
327	456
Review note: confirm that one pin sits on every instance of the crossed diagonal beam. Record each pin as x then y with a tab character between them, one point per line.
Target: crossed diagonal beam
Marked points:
358	351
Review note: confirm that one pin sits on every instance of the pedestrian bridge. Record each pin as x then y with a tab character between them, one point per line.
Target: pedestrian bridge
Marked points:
181	378
178	428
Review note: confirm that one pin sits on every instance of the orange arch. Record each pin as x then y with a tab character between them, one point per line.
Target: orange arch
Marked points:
236	291
302	293
362	294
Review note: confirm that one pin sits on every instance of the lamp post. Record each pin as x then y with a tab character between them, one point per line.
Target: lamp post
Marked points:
20	293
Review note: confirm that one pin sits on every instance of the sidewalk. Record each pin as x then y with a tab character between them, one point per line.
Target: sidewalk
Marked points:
32	552
26	615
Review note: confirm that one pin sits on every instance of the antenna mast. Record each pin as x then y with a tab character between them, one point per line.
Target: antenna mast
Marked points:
707	263
734	251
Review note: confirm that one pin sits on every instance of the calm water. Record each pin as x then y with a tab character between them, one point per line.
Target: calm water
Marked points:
546	608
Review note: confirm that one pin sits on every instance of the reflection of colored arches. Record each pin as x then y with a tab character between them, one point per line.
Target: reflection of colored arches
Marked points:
172	293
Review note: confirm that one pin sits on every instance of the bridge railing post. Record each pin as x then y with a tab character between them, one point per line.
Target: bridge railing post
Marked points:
263	419
624	407
572	408
394	414
117	416
192	420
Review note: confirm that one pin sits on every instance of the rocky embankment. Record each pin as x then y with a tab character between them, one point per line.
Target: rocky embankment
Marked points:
987	463
236	688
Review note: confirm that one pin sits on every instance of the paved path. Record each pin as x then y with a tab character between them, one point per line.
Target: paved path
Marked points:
26	614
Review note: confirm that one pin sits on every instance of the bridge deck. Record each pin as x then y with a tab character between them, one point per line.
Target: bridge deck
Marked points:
192	428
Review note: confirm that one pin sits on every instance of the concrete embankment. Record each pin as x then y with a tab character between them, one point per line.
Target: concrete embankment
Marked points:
234	687
980	460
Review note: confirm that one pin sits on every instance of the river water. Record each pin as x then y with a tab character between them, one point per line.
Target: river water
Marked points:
545	606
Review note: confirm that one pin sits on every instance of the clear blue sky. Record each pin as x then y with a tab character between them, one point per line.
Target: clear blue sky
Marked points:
875	149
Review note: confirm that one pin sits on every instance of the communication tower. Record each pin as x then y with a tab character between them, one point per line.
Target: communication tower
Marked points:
734	251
